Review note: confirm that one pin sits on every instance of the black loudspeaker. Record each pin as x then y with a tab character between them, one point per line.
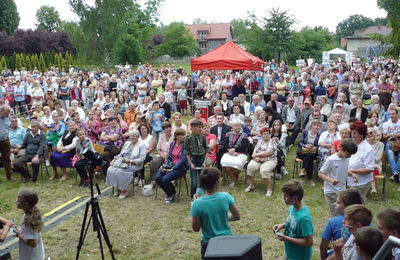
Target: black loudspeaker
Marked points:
234	247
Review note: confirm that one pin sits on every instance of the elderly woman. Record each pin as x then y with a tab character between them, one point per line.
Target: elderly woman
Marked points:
112	141
174	167
163	144
129	160
65	150
37	95
308	150
234	148
260	124
236	115
325	107
264	159
325	142
362	163
378	149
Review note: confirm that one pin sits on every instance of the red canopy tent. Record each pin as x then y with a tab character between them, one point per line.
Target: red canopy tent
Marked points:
228	56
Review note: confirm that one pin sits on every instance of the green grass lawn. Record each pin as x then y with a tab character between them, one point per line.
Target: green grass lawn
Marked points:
144	228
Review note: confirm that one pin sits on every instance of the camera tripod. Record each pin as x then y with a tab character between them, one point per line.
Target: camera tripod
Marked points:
98	222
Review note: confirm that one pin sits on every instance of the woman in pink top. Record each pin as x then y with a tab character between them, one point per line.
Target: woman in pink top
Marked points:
197	115
163	144
212	144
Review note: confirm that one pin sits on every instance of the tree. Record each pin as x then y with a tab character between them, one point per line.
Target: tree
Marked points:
392	8
178	41
350	25
268	37
106	22
9	17
310	42
48	18
42	63
279	25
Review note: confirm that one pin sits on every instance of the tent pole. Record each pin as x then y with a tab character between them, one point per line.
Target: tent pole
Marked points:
191	87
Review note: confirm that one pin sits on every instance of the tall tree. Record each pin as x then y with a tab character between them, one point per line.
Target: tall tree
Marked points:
392	8
106	21
268	37
279	26
178	41
355	22
48	18
9	17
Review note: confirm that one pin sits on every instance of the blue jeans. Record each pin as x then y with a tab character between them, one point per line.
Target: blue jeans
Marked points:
394	165
198	162
156	135
165	182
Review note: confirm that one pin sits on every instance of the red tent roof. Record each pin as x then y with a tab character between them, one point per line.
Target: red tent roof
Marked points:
228	56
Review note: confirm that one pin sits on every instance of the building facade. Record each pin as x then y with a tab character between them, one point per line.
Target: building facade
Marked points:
211	36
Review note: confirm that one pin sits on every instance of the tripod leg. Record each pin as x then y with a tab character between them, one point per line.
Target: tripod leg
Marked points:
83	230
103	230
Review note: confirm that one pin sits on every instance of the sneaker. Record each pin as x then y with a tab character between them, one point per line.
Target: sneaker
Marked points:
123	196
373	191
248	189
278	176
136	182
302	173
396	177
284	171
47	163
290	146
269	193
141	183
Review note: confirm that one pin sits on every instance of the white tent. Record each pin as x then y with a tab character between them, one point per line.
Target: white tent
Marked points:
337	51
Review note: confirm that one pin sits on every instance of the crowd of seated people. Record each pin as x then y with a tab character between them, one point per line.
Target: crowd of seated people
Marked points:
316	102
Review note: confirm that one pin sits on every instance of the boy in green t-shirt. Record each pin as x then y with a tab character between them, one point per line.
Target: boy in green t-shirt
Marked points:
210	212
298	235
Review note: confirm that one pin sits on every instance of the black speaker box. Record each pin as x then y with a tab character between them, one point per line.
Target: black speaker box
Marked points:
234	247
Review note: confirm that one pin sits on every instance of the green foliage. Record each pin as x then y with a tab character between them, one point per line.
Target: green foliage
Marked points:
48	18
178	41
42	63
3	63
129	48
392	8
18	61
27	64
9	17
350	25
310	42
268	37
240	27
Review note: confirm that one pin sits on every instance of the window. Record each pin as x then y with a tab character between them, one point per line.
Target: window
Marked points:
203	45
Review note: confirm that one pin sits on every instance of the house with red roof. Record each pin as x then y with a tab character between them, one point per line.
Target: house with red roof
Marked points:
211	36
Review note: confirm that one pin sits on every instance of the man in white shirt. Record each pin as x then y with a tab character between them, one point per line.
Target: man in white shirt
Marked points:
361	163
391	134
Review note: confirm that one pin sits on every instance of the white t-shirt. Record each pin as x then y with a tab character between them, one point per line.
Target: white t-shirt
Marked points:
391	128
31	253
364	158
396	253
336	168
349	252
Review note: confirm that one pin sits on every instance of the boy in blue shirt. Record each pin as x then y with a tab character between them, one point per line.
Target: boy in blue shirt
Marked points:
298	234
210	212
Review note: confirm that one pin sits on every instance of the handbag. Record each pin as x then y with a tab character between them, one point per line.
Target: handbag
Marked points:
394	144
118	162
74	159
305	150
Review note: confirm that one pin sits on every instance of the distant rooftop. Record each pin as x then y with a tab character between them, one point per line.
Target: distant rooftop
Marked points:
214	30
380	29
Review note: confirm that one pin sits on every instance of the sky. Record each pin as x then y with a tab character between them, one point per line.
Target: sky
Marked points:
307	12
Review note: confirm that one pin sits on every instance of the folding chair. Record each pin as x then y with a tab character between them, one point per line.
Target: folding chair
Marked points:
179	188
382	175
